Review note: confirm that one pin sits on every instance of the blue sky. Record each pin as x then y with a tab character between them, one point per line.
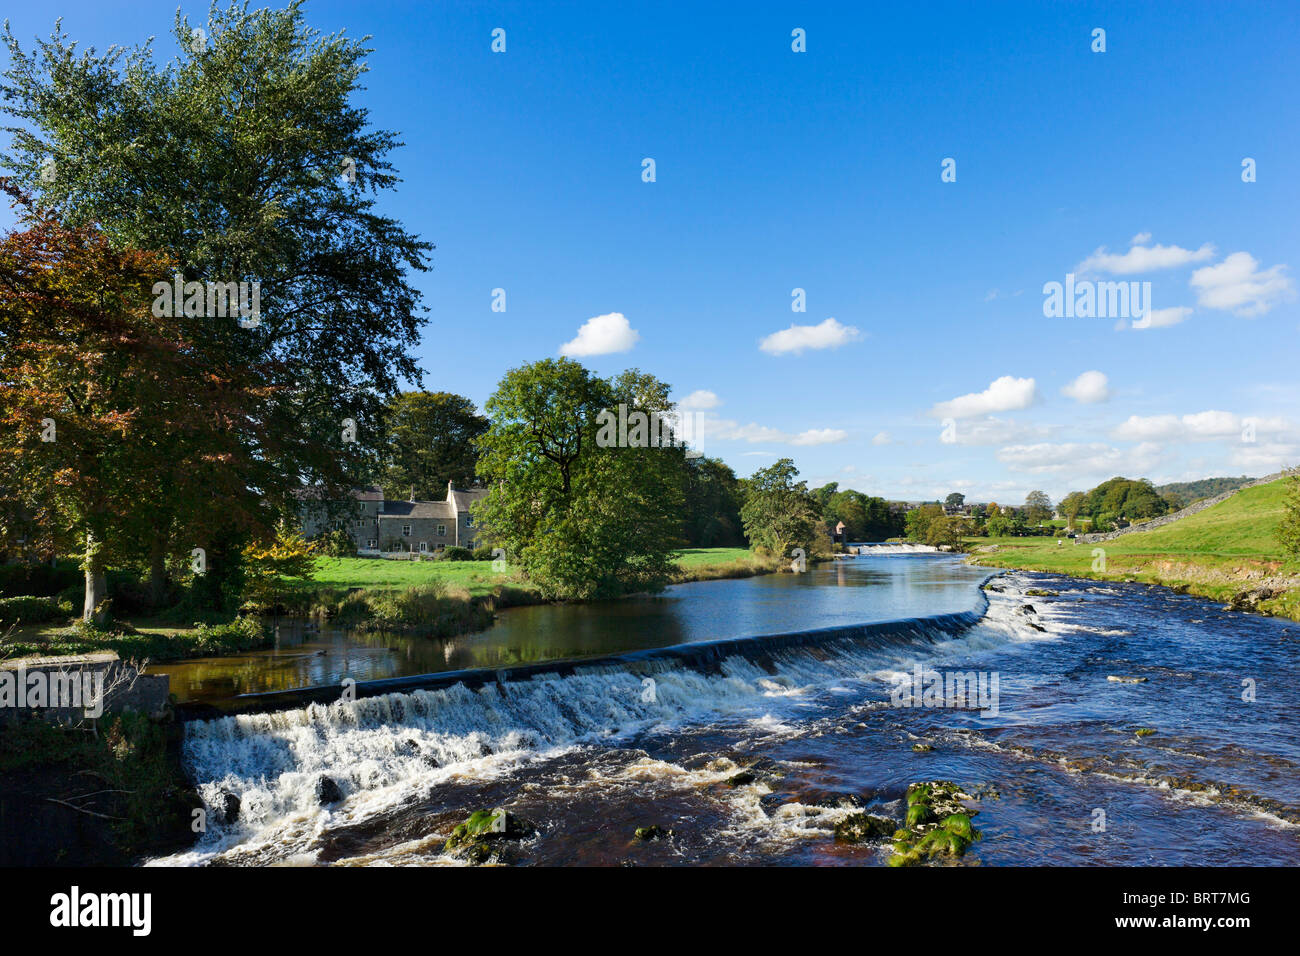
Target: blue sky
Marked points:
821	171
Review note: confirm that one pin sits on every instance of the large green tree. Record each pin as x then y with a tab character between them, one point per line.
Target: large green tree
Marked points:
583	519
431	439
242	160
779	513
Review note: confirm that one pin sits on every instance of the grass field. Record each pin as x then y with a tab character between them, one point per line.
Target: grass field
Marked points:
1224	553
478	577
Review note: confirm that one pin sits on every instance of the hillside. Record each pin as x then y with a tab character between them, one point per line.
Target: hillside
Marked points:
1191	491
1227	552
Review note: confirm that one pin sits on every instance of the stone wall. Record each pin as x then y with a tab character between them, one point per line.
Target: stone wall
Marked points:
64	689
1177	515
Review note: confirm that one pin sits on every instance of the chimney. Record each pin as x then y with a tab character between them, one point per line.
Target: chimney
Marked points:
449	489
412	492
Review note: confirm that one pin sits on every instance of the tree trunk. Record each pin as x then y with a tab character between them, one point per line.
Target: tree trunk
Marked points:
96	585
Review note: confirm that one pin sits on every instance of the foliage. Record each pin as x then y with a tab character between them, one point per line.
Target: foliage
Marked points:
779	514
917	521
430	440
1038	507
1288	529
28	609
267	564
945	532
1124	498
227	161
711	494
582	521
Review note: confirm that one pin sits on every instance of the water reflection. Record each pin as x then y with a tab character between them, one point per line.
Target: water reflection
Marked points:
846	592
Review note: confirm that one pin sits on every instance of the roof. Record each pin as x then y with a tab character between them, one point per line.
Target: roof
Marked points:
416	509
464	498
316	493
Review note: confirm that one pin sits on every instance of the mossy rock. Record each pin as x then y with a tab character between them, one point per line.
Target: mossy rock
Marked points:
1041	592
942	842
860	827
910	858
475	839
652	832
919	813
959	823
922	748
1145	731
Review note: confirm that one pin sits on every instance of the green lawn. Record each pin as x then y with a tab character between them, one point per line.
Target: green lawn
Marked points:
477	577
1217	553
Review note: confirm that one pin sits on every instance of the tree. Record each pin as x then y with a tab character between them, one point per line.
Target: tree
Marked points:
104	398
242	161
993	509
1288	532
918	521
955	500
266	565
582	520
430	440
779	514
1071	505
1038	508
998	526
712	504
945	532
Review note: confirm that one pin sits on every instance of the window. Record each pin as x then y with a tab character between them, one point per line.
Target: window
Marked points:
424	546
441	546
371	544
442	530
469	521
406	531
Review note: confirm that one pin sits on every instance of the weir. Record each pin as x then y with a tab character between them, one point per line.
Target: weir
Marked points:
702	655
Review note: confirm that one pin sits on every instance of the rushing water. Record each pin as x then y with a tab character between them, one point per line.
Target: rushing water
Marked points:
590	757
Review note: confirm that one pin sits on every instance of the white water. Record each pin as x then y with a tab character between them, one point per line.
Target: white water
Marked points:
885	550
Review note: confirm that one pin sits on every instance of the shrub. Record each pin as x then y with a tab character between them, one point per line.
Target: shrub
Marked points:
483	554
457	553
29	609
336	544
39	579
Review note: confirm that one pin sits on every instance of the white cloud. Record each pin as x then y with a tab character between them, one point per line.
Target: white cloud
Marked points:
1236	284
1080	460
882	438
819	436
699	400
1143	258
1003	394
602	335
1088	388
1162	318
1264	458
1201	426
991	430
826	335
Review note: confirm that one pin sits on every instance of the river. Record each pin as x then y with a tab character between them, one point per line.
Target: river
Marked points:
755	757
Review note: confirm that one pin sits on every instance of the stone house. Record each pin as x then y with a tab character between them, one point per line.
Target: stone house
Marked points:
384	526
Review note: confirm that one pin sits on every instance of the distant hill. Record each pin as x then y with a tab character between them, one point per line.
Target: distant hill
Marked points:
1189	492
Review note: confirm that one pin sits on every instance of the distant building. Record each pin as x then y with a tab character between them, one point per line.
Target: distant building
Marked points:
378	525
